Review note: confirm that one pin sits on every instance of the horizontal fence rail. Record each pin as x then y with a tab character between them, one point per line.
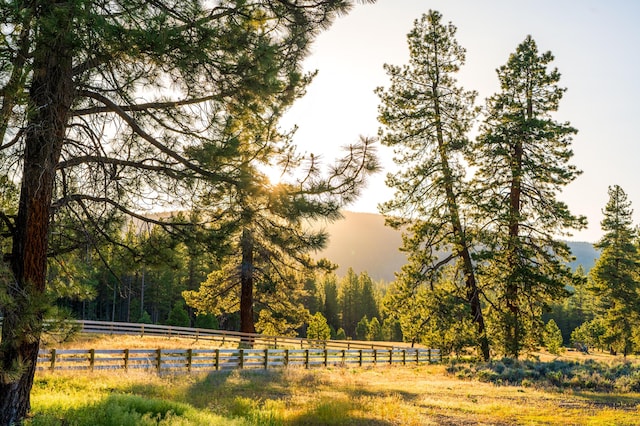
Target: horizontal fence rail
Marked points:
228	337
187	360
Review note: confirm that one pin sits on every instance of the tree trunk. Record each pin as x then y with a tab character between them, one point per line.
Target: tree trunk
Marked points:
50	96
461	243
513	333
246	285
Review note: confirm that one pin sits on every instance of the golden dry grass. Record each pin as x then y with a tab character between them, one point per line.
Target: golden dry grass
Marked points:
340	396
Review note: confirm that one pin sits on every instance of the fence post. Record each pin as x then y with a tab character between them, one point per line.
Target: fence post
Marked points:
360	363
306	358
344	357
241	361
141	330
126	359
266	358
375	357
326	356
53	359
217	359
159	359
286	357
391	356
189	359
429	355
417	356
404	357
92	358
275	343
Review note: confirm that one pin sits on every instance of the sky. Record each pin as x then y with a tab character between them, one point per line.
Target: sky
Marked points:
596	45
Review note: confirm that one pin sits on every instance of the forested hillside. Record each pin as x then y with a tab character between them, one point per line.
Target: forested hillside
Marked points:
363	242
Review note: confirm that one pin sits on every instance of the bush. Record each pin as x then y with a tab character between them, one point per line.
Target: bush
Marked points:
600	377
145	318
208	321
178	316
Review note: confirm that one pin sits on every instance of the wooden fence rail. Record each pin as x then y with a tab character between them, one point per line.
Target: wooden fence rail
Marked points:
175	360
228	337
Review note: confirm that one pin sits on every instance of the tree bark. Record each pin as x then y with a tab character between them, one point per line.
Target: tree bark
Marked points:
50	97
247	324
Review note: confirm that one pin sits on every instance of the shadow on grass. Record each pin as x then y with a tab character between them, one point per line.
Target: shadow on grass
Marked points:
283	397
614	401
128	410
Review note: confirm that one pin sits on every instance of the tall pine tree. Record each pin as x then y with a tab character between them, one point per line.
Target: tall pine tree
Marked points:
522	158
426	117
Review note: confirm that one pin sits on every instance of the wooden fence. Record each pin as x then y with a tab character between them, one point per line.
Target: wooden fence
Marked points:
223	337
181	360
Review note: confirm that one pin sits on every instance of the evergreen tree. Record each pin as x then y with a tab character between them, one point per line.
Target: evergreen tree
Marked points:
366	297
553	337
349	304
163	74
521	156
318	328
375	330
615	278
206	321
391	329
179	316
269	266
330	307
362	328
425	118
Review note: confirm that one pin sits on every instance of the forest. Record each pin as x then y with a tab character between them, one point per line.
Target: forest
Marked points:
135	139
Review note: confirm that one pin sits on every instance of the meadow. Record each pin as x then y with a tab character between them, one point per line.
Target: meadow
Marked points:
573	389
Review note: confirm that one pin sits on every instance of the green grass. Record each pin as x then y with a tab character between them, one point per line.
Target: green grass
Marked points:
429	395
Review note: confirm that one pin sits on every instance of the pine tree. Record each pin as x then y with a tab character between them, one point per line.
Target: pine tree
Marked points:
426	117
553	337
349	305
362	329
366	296
522	157
318	328
615	278
330	308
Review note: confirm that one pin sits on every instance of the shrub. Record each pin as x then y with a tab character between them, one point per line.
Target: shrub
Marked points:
178	316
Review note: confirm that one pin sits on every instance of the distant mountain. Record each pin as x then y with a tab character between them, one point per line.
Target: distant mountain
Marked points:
362	241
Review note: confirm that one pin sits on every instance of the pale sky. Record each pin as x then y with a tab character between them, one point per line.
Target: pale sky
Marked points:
596	45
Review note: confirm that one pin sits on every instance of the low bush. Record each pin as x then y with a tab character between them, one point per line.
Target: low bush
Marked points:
591	375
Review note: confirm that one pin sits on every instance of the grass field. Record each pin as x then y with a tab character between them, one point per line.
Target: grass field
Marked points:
429	395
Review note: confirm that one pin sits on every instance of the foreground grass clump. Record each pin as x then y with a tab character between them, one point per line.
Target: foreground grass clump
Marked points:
427	395
621	376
